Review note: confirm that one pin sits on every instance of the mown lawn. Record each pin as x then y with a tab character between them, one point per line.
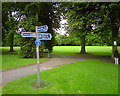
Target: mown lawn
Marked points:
14	61
0	62
6	49
85	77
10	61
72	50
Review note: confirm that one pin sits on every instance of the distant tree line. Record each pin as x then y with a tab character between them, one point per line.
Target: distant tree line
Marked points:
91	40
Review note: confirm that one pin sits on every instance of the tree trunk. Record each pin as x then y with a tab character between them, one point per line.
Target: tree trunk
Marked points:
11	41
3	37
114	38
11	37
83	45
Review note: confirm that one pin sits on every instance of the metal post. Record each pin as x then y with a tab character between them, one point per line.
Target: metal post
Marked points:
38	63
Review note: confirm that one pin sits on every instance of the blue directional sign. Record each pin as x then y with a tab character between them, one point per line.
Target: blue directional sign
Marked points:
45	36
28	34
42	36
38	42
42	28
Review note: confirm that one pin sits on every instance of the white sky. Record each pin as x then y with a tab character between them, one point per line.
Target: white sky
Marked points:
62	30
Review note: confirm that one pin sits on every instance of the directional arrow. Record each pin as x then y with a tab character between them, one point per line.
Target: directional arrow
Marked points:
42	28
45	36
28	34
42	36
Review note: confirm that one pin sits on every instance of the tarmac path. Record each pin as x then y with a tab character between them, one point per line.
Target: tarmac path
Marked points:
56	60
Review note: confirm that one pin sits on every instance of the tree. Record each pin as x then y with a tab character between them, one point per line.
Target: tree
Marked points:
108	21
66	40
77	15
114	16
10	21
105	16
38	14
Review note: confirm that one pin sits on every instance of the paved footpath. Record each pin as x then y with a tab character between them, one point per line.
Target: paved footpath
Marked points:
56	60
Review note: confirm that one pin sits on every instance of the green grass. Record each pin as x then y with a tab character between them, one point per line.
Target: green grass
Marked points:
6	49
10	61
85	77
66	50
0	62
72	50
99	50
14	61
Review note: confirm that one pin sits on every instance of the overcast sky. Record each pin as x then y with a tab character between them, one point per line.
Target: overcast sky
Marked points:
62	30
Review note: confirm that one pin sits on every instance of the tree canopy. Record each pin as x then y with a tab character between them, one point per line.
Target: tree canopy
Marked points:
101	18
35	14
88	22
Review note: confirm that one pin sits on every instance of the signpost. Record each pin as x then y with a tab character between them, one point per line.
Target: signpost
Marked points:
37	52
42	36
28	34
39	36
38	42
45	36
42	28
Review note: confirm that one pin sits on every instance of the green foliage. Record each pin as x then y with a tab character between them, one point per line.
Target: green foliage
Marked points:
28	47
17	39
38	14
9	23
78	21
80	15
92	39
66	40
104	15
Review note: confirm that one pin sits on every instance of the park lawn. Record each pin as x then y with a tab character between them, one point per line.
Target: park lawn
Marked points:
84	77
0	62
13	61
10	61
99	50
72	50
6	49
